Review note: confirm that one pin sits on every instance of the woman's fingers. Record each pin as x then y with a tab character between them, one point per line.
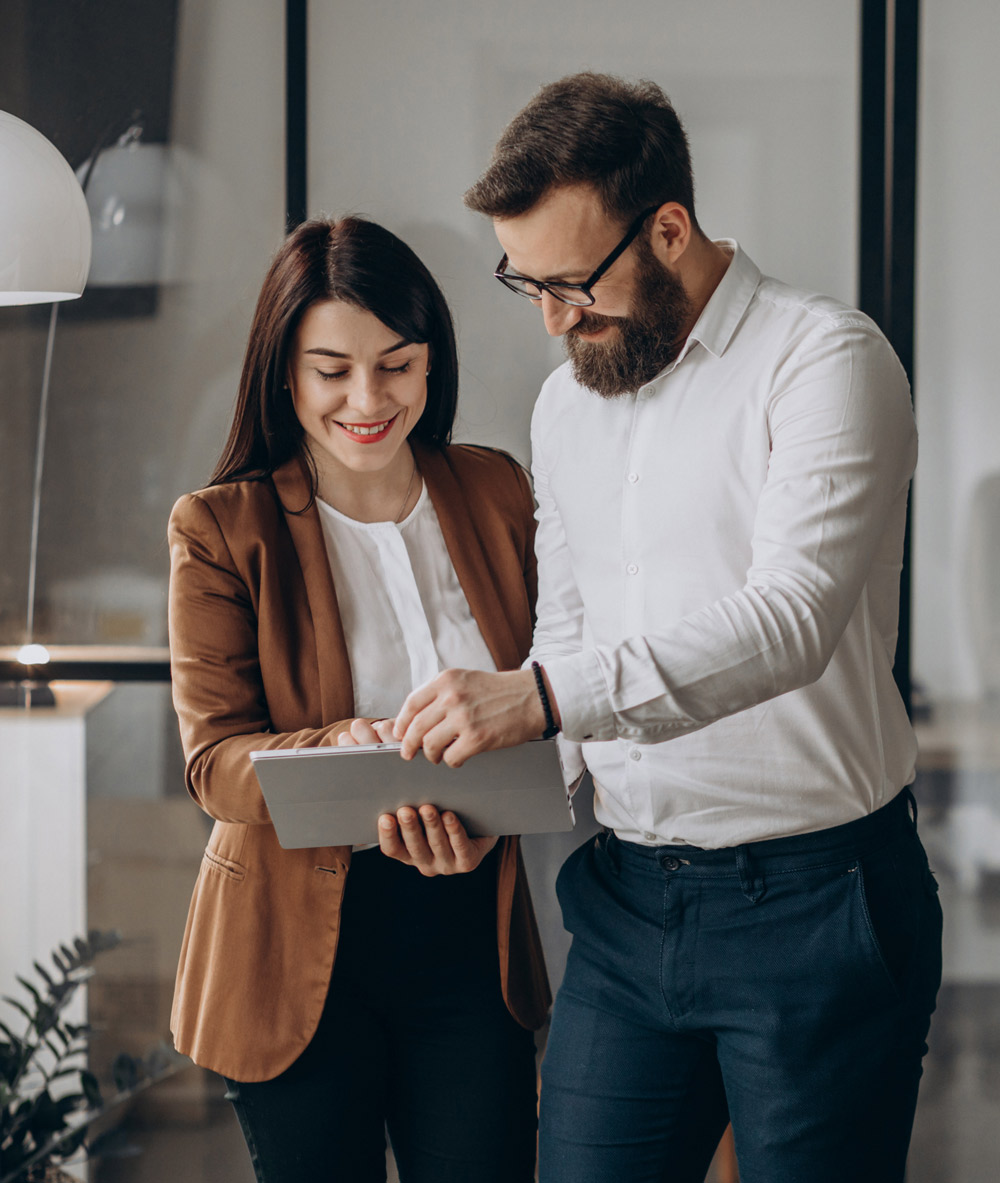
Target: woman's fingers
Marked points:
468	851
434	843
438	839
367	731
389	839
364	732
412	829
384	730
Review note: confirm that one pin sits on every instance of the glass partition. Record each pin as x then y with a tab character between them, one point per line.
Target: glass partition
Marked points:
186	211
956	580
406	103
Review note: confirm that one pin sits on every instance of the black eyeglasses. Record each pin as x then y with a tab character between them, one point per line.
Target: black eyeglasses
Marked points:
577	294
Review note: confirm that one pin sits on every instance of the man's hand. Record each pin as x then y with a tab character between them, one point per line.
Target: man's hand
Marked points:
462	712
435	843
367	731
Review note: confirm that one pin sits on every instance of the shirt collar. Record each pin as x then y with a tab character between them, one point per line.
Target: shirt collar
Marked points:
727	305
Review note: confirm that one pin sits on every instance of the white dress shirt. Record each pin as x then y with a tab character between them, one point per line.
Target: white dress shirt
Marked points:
404	613
719	561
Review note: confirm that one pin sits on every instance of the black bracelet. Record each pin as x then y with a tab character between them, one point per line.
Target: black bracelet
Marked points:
551	726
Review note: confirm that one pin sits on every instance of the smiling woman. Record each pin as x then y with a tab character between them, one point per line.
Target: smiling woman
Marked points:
358	391
343	555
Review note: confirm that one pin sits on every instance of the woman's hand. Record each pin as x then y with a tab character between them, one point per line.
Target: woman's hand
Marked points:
368	731
435	843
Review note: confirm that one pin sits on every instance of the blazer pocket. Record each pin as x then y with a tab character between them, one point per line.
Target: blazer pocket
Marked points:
224	866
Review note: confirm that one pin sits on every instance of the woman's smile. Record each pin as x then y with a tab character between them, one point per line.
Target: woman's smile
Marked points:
368	433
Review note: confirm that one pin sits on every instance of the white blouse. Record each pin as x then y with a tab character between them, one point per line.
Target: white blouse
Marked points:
404	613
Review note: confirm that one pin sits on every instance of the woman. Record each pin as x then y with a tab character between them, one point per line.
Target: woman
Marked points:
343	553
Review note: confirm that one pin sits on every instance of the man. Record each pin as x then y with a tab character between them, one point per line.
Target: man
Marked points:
721	471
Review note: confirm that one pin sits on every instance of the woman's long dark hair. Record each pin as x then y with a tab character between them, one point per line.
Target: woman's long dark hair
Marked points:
363	264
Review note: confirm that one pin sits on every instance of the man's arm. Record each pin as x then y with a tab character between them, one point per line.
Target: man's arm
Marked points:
843	447
510	710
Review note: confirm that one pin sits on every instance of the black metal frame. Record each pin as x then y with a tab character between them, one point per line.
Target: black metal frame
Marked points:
890	55
87	671
886	238
296	114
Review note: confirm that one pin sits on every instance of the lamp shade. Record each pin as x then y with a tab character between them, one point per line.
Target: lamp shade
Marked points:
44	221
125	194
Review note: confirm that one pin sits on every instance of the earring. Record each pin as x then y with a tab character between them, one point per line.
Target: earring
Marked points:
428	372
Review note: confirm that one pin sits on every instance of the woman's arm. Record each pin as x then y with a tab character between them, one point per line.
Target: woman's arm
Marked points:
218	689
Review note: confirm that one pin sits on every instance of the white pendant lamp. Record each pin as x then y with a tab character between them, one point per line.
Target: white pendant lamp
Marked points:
44	221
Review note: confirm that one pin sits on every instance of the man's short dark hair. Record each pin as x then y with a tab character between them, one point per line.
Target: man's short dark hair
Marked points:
623	138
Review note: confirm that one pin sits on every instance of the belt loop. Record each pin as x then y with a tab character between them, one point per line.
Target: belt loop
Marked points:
911	802
752	889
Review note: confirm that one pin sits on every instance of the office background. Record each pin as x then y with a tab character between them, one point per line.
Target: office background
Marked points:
402	106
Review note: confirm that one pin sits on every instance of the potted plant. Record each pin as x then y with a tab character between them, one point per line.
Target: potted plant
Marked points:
48	1096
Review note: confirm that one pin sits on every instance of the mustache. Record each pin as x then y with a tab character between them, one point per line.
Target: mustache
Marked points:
591	322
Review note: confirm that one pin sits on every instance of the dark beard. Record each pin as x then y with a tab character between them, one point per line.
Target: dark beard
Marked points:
648	339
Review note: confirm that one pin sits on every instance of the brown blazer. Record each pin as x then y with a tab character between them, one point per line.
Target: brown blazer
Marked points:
259	661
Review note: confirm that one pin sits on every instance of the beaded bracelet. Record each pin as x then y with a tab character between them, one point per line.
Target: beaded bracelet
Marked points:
551	726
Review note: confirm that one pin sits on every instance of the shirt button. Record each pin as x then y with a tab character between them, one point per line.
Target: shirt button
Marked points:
649	835
633	477
635	754
632	569
648	391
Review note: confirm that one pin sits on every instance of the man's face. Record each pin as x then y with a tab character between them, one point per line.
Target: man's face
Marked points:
640	313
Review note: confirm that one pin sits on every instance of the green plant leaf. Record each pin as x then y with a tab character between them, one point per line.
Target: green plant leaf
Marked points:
91	1089
30	988
70	1103
43	974
15	1039
69	1070
21	1007
45	1019
46	1116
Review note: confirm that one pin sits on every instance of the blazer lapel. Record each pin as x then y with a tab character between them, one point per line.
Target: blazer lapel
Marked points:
335	685
450	500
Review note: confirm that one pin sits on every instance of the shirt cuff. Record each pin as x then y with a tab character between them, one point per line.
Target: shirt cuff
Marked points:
580	692
572	763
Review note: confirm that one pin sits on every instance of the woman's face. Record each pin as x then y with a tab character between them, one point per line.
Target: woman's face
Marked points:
358	389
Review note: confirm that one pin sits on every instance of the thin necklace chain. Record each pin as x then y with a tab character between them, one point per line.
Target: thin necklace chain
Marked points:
406	496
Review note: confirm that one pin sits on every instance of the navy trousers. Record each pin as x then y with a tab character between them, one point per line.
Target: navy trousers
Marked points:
415	1037
785	985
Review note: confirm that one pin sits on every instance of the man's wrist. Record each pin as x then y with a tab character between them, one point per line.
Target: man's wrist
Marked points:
550	707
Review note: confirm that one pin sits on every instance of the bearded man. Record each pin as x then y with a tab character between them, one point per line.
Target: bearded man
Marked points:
721	469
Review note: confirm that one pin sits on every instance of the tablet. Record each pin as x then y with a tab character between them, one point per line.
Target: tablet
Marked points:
332	796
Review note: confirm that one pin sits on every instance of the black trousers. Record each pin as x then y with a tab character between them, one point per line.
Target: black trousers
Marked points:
415	1038
786	985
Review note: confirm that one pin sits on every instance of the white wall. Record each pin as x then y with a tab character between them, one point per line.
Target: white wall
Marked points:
406	102
957	387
